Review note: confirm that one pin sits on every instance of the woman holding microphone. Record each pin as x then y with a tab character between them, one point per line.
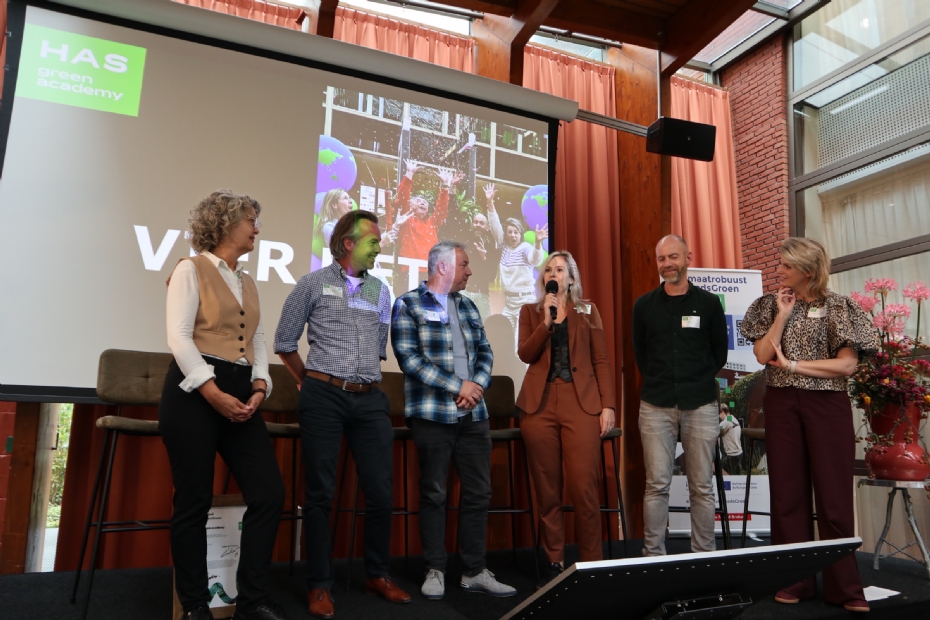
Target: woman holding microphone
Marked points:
568	404
209	404
810	339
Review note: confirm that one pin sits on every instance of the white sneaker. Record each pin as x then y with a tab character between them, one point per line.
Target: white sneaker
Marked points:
486	583
434	586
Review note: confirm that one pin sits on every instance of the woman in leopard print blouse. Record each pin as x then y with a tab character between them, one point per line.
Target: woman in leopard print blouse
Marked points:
810	339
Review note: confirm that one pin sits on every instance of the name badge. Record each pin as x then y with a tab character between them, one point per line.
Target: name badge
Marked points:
693	322
433	316
816	313
583	308
331	291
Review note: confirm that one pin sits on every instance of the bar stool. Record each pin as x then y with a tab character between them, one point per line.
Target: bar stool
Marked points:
754	435
137	378
392	384
123	378
721	497
612	437
500	399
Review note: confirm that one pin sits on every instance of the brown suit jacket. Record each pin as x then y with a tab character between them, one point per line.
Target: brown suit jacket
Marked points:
587	350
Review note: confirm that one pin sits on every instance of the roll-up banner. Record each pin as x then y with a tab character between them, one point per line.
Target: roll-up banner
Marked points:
741	386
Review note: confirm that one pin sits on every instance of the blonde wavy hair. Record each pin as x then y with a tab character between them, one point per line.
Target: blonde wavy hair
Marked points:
574	287
216	214
810	258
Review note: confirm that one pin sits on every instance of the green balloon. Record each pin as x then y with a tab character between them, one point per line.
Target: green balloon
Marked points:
530	237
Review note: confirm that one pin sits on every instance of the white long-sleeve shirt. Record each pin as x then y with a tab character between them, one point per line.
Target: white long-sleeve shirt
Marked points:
517	268
182	304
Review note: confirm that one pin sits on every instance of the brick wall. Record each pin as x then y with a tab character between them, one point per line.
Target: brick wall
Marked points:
758	98
7	414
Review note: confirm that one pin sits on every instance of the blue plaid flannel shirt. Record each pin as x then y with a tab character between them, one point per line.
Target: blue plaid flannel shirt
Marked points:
424	352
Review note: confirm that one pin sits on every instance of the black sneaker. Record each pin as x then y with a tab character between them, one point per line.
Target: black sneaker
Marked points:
550	572
201	613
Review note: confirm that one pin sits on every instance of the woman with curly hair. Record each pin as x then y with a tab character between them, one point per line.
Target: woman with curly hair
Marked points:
213	389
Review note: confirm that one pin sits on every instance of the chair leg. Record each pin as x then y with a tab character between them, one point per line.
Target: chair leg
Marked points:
100	516
615	444
722	497
355	512
403	453
293	501
337	510
90	515
742	540
529	501
610	537
513	515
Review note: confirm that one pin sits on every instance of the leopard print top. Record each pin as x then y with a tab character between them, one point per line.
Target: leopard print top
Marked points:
815	330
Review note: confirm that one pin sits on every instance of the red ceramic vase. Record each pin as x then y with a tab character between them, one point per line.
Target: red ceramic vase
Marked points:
902	460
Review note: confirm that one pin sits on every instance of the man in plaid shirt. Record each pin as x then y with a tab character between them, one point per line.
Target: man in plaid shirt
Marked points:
442	349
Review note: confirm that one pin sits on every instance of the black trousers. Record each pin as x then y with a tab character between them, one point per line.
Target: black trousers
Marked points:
327	413
193	433
468	443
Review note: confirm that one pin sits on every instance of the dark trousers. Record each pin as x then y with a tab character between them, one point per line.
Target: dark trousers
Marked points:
468	443
810	441
327	413
193	432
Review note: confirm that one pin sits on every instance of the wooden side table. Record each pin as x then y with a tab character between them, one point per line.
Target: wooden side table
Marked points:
894	486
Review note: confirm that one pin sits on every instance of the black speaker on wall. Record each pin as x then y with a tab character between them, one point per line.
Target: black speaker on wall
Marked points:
678	138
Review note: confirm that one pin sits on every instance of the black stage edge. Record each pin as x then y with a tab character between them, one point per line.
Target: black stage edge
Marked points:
145	593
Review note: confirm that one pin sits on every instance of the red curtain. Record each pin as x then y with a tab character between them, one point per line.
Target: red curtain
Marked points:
268	12
705	210
587	189
405	39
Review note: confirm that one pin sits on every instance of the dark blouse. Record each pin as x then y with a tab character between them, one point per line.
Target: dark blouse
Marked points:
560	366
815	330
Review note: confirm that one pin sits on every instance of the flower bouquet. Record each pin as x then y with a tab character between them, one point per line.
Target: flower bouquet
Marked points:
893	386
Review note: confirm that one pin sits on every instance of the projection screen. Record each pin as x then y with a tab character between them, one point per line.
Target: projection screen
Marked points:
118	129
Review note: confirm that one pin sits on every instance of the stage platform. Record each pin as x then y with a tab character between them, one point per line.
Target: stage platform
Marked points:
145	593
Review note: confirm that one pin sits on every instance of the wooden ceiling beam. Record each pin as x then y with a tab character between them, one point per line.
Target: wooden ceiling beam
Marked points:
500	40
323	17
608	22
694	26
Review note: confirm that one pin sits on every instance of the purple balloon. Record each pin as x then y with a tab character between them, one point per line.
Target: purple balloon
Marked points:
336	166
535	206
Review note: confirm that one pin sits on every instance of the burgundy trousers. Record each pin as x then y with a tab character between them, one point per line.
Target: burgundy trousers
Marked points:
810	443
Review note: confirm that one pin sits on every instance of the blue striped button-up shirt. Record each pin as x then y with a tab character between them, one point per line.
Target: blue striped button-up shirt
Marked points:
347	331
422	340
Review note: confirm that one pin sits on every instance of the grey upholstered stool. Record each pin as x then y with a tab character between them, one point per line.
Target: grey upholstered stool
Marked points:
123	378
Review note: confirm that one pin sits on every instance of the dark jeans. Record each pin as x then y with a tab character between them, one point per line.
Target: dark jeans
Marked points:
468	443
193	432
326	413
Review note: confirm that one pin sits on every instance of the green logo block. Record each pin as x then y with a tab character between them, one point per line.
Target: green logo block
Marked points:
240	526
81	71
723	301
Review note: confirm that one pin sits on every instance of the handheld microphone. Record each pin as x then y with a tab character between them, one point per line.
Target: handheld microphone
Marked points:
552	287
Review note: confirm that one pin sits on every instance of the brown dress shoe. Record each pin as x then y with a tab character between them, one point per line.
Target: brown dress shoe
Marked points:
386	589
321	603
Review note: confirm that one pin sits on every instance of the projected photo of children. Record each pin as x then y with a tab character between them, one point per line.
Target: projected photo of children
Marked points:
432	174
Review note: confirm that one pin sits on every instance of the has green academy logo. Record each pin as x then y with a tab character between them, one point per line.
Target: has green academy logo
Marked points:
77	70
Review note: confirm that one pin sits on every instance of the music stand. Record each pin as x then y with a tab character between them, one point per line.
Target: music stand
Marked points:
719	584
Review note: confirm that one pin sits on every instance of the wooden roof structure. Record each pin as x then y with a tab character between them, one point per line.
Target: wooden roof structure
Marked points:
678	28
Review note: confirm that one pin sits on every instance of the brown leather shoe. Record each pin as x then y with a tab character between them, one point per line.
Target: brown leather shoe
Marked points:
320	603
386	589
